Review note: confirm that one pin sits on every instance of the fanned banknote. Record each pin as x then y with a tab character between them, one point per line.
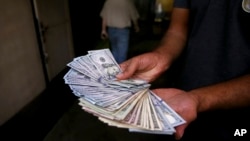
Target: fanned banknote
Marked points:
126	103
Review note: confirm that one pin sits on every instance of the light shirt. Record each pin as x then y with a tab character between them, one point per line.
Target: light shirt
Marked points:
119	13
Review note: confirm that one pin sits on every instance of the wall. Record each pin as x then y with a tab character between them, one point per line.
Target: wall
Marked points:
21	69
21	75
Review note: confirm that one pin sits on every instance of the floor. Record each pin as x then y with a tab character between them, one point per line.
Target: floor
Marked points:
37	118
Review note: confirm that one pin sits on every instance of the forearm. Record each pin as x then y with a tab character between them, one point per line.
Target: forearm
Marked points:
175	38
230	94
171	46
135	22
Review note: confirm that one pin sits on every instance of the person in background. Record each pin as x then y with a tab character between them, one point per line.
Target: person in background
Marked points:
209	40
118	16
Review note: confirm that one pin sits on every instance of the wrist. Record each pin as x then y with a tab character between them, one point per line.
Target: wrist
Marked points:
201	99
165	58
162	60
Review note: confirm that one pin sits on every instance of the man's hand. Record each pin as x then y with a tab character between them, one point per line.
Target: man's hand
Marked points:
147	67
136	28
183	103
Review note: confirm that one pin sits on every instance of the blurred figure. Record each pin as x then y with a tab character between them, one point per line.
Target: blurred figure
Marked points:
118	16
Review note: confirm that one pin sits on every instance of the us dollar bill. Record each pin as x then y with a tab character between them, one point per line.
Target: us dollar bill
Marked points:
122	103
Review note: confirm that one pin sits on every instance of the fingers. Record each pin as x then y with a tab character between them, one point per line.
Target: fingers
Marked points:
104	36
128	69
140	67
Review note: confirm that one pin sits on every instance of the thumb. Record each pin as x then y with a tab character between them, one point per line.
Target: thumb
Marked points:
128	69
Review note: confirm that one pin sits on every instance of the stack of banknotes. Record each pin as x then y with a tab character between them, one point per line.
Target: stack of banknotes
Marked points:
121	103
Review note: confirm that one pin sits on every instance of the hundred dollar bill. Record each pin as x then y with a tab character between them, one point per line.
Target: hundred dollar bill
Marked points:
173	118
105	64
124	110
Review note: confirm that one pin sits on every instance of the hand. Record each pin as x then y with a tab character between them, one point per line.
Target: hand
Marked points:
183	103
147	67
104	35
137	29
